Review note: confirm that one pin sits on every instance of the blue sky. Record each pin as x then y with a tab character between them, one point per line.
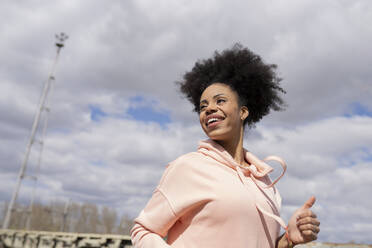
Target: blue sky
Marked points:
96	113
357	108
139	110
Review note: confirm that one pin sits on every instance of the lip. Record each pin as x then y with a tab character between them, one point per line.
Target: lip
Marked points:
213	124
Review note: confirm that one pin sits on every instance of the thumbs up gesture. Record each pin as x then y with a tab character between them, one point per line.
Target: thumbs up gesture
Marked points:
303	226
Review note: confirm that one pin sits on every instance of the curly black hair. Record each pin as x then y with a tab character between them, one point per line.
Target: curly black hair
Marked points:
255	82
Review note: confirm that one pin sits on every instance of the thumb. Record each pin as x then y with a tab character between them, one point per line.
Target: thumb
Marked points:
309	203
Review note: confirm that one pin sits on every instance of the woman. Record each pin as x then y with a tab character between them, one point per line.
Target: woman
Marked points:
221	195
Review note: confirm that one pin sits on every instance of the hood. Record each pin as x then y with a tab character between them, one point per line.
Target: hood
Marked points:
257	168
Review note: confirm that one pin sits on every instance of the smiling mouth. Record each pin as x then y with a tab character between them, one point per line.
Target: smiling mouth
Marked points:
211	121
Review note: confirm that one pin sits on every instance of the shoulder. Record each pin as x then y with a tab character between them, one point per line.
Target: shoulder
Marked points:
184	169
185	163
187	159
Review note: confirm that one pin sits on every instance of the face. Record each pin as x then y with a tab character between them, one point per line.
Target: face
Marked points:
220	115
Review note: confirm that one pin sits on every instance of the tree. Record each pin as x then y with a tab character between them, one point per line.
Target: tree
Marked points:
109	219
18	217
42	218
89	219
82	218
125	225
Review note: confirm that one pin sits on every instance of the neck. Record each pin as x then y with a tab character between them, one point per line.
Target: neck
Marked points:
234	147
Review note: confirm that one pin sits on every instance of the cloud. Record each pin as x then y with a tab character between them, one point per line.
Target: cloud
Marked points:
330	159
99	150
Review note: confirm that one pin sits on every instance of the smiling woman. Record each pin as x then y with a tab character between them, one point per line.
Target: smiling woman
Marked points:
221	195
220	114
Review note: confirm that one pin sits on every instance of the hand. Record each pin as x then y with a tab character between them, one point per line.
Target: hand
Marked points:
303	226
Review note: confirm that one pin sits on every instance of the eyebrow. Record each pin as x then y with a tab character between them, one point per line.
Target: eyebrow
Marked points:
214	97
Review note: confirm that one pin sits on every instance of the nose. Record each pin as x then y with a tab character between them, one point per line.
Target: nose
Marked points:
211	108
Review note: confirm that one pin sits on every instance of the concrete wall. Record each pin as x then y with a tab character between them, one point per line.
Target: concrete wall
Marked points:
38	239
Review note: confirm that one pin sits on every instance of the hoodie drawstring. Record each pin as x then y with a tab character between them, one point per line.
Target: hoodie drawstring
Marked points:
253	174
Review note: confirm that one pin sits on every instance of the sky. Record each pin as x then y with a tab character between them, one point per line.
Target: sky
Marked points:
117	117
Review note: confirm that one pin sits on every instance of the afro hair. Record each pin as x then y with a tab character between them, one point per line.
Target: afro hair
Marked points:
255	82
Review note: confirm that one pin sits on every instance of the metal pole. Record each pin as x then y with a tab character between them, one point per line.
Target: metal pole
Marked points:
35	125
64	216
35	178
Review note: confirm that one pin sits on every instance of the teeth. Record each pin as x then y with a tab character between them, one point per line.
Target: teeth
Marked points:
212	120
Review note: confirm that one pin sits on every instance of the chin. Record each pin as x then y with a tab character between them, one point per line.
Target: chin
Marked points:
218	136
220	133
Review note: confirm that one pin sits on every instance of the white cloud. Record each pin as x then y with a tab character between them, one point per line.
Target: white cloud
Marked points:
330	159
125	49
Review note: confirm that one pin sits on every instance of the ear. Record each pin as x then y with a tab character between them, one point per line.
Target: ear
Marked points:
244	113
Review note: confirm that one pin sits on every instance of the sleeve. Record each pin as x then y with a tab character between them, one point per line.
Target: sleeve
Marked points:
181	188
153	223
142	237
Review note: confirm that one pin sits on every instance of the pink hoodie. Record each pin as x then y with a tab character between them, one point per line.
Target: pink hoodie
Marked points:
205	199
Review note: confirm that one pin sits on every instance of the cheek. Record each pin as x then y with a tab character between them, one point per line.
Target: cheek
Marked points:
201	121
236	118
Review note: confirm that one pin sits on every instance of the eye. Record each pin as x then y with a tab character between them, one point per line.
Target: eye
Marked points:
220	101
202	107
